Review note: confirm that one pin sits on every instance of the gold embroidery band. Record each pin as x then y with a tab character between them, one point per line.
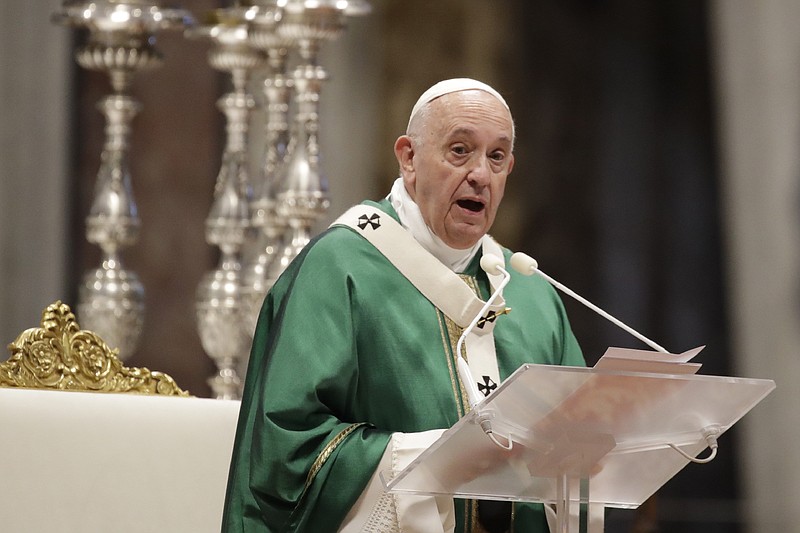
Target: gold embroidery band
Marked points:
328	450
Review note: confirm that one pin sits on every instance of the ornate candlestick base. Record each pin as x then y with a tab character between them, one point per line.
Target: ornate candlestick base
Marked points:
219	321
111	299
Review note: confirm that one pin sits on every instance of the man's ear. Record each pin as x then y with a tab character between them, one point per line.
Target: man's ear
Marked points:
404	152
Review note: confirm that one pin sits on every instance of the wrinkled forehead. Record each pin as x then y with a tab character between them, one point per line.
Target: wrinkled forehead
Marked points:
463	113
471	106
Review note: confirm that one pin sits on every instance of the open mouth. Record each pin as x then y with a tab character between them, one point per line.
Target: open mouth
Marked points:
471	205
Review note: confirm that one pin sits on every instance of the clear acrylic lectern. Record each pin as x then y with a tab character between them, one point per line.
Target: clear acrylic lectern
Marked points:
581	439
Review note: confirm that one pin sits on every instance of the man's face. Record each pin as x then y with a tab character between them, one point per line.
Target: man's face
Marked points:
455	164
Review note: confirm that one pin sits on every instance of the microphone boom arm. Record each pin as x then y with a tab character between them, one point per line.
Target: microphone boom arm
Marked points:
527	265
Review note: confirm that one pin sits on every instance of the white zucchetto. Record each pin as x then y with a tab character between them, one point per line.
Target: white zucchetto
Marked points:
453	85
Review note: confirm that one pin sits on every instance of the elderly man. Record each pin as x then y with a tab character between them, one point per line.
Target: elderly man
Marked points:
353	368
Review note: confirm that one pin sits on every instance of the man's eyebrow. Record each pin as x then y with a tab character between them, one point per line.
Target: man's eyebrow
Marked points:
467	131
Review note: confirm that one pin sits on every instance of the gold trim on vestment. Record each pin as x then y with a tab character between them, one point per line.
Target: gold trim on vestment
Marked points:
446	330
455	331
326	452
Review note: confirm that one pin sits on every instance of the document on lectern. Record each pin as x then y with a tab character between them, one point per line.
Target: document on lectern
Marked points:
629	360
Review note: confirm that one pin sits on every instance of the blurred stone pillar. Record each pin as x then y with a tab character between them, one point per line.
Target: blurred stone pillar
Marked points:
758	78
34	148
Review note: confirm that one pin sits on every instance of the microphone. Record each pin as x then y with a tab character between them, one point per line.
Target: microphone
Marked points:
527	265
491	264
494	265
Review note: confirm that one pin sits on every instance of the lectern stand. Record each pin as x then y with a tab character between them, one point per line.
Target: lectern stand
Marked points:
581	439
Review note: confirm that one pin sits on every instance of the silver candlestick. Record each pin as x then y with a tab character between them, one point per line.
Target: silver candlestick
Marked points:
276	87
120	42
220	309
302	197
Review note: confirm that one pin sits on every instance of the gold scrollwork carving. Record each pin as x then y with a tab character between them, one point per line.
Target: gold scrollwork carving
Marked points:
59	355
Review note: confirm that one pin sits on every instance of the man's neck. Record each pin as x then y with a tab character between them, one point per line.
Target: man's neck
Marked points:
411	219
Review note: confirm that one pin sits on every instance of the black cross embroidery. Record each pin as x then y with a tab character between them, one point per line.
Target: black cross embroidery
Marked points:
491	316
487	386
373	221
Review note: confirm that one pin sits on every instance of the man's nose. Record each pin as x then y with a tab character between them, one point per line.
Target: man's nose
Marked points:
479	172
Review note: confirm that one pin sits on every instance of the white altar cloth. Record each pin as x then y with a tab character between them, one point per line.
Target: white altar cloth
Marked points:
100	462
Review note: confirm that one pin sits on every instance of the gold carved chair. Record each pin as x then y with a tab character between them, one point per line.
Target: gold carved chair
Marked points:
59	355
82	462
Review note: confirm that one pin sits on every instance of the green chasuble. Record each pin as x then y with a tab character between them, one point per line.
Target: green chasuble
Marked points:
346	352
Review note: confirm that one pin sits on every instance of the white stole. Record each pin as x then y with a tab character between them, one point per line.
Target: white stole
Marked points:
440	285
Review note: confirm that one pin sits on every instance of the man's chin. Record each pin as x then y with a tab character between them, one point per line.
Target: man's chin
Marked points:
464	239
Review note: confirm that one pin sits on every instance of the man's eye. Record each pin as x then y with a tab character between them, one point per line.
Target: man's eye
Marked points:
459	150
497	156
